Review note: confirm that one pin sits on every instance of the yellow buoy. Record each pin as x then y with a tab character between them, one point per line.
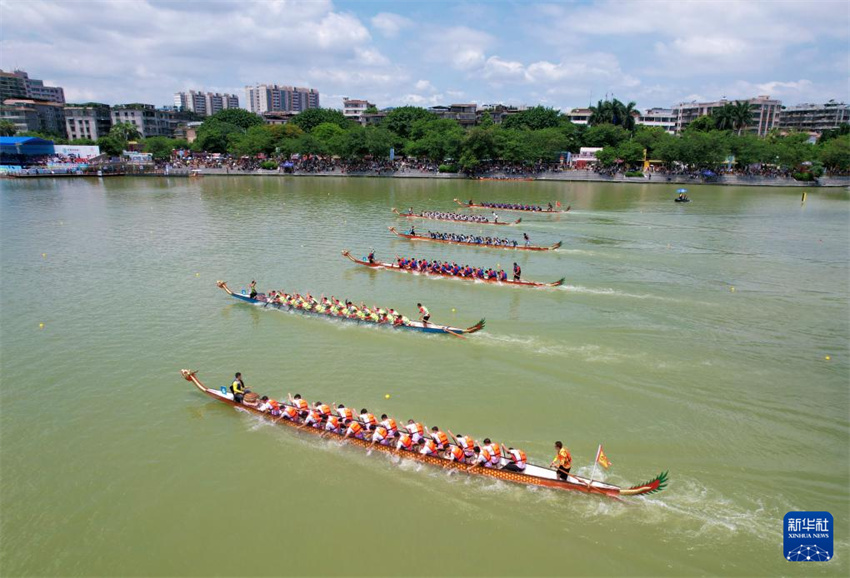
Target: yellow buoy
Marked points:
44	255
732	289
453	309
41	325
387	396
827	358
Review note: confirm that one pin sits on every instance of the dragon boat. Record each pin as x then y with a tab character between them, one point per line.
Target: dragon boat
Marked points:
532	476
414	216
485	207
481	245
261	300
395	267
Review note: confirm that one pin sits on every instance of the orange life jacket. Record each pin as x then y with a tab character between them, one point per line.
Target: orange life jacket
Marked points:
391	424
406	441
333	421
430	445
380	433
290	411
324	409
274	404
345	412
301	403
368	419
439	437
518	456
469	443
355	428
457	453
415	428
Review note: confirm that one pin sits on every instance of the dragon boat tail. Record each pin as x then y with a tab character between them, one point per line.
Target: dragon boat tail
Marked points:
418	326
395	267
532	476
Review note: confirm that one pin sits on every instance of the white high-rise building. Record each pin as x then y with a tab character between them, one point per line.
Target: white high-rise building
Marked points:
205	103
273	98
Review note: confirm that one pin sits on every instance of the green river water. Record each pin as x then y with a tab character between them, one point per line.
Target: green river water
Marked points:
690	338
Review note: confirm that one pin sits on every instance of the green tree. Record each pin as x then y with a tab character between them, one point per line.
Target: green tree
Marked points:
486	119
607	157
703	123
255	140
742	115
631	153
84	142
624	114
435	139
602	113
125	132
843	129
110	146
313	117
400	121
605	134
835	153
535	118
237	117
7	128
749	149
724	117
371	110
161	147
792	150
651	137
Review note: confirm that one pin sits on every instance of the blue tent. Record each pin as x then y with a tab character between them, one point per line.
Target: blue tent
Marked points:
25	145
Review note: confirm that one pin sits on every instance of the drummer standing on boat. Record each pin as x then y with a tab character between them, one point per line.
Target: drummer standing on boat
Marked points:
237	388
252	289
563	459
517	272
424	314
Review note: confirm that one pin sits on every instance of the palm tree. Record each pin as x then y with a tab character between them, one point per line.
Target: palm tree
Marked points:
624	114
602	113
742	115
724	117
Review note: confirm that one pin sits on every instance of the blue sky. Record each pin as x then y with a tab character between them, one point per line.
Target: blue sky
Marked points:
559	54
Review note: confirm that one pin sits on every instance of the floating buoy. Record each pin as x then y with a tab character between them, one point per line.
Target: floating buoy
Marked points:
732	289
388	395
453	310
827	358
44	255
197	274
804	197
41	325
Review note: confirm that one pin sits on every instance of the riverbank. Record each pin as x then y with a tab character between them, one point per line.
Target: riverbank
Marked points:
566	176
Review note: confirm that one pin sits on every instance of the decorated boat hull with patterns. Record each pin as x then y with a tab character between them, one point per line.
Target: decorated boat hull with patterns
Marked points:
479	245
260	299
414	216
394	267
486	208
533	475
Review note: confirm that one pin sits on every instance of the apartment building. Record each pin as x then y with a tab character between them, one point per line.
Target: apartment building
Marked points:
273	98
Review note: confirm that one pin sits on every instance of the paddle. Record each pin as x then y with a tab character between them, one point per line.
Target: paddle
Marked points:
450	332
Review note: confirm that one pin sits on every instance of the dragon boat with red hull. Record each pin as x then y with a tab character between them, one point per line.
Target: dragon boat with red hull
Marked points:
535	211
260	299
479	245
532	476
395	267
485	222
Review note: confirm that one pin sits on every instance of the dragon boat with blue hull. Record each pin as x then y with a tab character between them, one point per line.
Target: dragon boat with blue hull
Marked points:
533	475
417	326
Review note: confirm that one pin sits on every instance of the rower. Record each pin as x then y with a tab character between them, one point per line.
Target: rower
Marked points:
517	272
368	419
424	314
237	388
494	451
416	430
563	459
274	407
264	404
300	404
550	206
390	424
517	462
252	289
372	256
527	240
440	438
466	443
354	429
314	418
322	408
289	412
429	447
455	454
405	442
482	458
332	424
379	435
344	412
495	217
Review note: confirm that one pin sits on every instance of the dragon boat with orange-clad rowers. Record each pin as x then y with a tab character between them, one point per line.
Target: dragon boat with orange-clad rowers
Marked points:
455	218
518	207
345	311
477	242
436	269
321	421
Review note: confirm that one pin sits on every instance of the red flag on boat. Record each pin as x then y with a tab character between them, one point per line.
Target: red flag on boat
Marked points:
558	203
601	458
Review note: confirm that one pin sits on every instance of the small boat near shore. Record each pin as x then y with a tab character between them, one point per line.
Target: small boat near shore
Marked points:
457	218
396	267
261	300
488	207
533	475
517	247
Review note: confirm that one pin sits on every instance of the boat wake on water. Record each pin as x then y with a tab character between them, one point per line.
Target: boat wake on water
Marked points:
615	293
589	352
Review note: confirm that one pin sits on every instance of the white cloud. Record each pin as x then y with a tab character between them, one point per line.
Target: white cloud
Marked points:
461	47
390	24
424	85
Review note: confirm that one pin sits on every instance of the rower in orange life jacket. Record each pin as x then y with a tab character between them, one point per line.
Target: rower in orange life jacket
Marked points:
390	424
332	424
415	430
367	419
354	429
483	459
455	454
429	448
405	442
301	404
314	418
322	408
439	437
518	460
563	460
344	412
466	443
494	451
274	407
380	435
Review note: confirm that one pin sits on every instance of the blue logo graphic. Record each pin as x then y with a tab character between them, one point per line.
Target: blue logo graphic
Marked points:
808	536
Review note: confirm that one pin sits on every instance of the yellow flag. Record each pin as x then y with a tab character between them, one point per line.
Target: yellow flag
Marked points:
602	459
